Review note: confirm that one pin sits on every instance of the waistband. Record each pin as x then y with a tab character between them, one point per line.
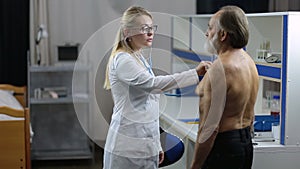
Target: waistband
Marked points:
243	134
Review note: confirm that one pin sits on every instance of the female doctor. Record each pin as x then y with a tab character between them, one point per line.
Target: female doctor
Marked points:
133	139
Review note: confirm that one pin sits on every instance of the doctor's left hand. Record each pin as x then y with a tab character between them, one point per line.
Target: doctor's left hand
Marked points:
203	67
161	157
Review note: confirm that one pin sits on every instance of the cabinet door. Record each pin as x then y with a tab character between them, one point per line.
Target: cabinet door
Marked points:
57	132
181	33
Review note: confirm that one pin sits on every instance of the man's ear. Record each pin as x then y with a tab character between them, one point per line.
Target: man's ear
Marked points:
223	35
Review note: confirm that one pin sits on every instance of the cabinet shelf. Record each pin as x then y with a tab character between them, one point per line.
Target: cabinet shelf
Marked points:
190	55
62	100
270	79
269	71
66	68
277	65
63	155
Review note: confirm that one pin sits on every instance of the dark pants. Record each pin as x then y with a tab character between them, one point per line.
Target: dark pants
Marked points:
231	150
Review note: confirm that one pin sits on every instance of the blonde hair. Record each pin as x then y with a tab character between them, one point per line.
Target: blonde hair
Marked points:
121	41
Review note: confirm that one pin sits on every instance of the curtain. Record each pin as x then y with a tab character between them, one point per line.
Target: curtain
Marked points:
14	41
287	5
249	6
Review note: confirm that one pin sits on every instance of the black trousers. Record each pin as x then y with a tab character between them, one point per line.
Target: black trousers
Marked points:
231	150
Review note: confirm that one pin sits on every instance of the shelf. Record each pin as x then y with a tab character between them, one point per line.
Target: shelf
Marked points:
276	65
270	79
62	100
272	71
191	55
65	68
62	155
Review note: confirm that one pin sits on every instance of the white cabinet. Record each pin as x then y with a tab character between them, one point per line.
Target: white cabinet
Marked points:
273	36
281	31
58	133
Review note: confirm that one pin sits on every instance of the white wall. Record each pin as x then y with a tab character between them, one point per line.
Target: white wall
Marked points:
75	21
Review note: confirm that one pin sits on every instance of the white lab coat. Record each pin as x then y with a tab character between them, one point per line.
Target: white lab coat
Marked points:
133	139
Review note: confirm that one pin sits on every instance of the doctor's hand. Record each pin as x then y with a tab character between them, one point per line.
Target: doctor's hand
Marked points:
203	67
161	157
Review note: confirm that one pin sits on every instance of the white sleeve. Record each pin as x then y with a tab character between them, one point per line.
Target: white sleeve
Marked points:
130	71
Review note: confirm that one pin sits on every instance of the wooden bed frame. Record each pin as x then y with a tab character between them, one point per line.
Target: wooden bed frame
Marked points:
15	134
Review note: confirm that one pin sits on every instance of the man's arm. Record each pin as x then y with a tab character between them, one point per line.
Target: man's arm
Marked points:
202	149
212	91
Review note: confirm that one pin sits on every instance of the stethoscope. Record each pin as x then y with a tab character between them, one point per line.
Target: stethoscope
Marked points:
149	68
149	65
140	56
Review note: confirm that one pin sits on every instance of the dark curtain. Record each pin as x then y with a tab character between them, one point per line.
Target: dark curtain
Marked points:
249	6
14	41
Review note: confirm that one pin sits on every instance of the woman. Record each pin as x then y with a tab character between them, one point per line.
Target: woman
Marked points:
133	139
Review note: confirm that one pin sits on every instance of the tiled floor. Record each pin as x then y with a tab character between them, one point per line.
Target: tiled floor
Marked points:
71	164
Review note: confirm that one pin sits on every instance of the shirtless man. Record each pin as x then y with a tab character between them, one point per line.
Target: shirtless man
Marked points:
227	95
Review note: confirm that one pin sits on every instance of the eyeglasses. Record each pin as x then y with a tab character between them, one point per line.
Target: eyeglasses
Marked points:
148	29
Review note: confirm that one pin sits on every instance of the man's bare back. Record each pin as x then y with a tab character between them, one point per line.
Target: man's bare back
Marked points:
241	85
